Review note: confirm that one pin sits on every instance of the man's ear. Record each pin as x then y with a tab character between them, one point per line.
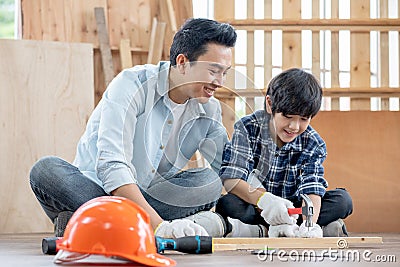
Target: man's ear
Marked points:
181	61
268	104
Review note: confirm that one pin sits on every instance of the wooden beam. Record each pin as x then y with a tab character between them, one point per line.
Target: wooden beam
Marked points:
337	92
106	57
223	244
353	25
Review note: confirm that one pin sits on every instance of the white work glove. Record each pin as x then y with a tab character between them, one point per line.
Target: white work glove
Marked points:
275	209
179	228
313	231
283	230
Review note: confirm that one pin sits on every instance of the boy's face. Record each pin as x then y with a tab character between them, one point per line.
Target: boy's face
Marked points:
285	128
208	73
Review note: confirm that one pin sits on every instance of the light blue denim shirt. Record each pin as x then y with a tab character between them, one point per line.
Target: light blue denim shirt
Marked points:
126	134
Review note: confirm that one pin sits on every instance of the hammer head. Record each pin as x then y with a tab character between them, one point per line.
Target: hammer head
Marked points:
307	210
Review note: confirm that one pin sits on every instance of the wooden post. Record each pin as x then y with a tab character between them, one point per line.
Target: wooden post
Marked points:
383	64
360	58
223	10
106	57
335	55
291	41
156	41
250	58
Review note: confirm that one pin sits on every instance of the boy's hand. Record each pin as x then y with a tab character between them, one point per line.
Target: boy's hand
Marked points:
275	209
283	230
179	228
314	231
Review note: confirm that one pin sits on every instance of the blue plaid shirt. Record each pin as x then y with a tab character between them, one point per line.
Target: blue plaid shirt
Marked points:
287	172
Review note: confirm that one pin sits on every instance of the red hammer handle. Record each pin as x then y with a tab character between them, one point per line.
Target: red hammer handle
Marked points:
293	211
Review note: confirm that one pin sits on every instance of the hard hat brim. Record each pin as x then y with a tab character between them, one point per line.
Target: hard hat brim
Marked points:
65	256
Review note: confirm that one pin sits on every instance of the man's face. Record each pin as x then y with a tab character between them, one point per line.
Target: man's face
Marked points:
208	73
287	127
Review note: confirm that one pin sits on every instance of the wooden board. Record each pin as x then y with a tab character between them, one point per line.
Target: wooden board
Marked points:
46	97
363	157
221	244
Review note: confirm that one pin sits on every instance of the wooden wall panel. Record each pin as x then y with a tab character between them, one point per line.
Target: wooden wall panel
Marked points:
363	157
46	98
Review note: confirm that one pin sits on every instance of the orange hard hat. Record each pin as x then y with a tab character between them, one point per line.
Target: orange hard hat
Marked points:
113	226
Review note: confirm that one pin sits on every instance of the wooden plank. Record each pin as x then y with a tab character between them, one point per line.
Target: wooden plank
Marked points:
183	10
171	16
383	71
106	57
125	53
129	20
156	41
364	159
316	68
46	98
224	9
250	58
293	25
267	44
32	23
80	25
291	41
223	244
359	58
335	55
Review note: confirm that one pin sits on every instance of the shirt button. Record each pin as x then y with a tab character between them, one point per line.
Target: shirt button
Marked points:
276	154
169	121
153	170
161	147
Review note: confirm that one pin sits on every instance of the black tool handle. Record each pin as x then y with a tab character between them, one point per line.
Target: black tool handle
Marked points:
49	245
194	244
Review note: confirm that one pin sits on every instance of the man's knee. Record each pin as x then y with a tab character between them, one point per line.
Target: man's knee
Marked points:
41	169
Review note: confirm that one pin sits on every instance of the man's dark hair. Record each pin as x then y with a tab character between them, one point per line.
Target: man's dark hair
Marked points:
295	92
193	37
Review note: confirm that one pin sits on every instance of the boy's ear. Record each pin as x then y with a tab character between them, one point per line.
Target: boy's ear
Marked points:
268	104
181	60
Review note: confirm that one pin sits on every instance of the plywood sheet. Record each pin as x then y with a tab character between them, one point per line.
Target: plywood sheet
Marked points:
363	156
46	98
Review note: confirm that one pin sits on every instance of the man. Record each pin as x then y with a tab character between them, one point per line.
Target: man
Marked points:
150	122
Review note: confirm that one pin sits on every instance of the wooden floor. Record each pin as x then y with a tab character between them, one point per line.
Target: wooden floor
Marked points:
25	250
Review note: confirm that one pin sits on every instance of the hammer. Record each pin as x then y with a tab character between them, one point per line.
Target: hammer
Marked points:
307	210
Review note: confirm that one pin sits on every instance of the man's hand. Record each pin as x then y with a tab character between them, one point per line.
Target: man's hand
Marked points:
314	231
283	230
275	209
179	228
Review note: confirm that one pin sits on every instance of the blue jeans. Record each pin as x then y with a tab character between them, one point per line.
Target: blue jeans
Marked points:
60	186
335	204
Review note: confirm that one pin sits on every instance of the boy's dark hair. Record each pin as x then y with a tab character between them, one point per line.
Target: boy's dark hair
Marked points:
193	37
295	92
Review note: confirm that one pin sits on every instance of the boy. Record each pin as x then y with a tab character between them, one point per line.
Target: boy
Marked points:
274	156
149	123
